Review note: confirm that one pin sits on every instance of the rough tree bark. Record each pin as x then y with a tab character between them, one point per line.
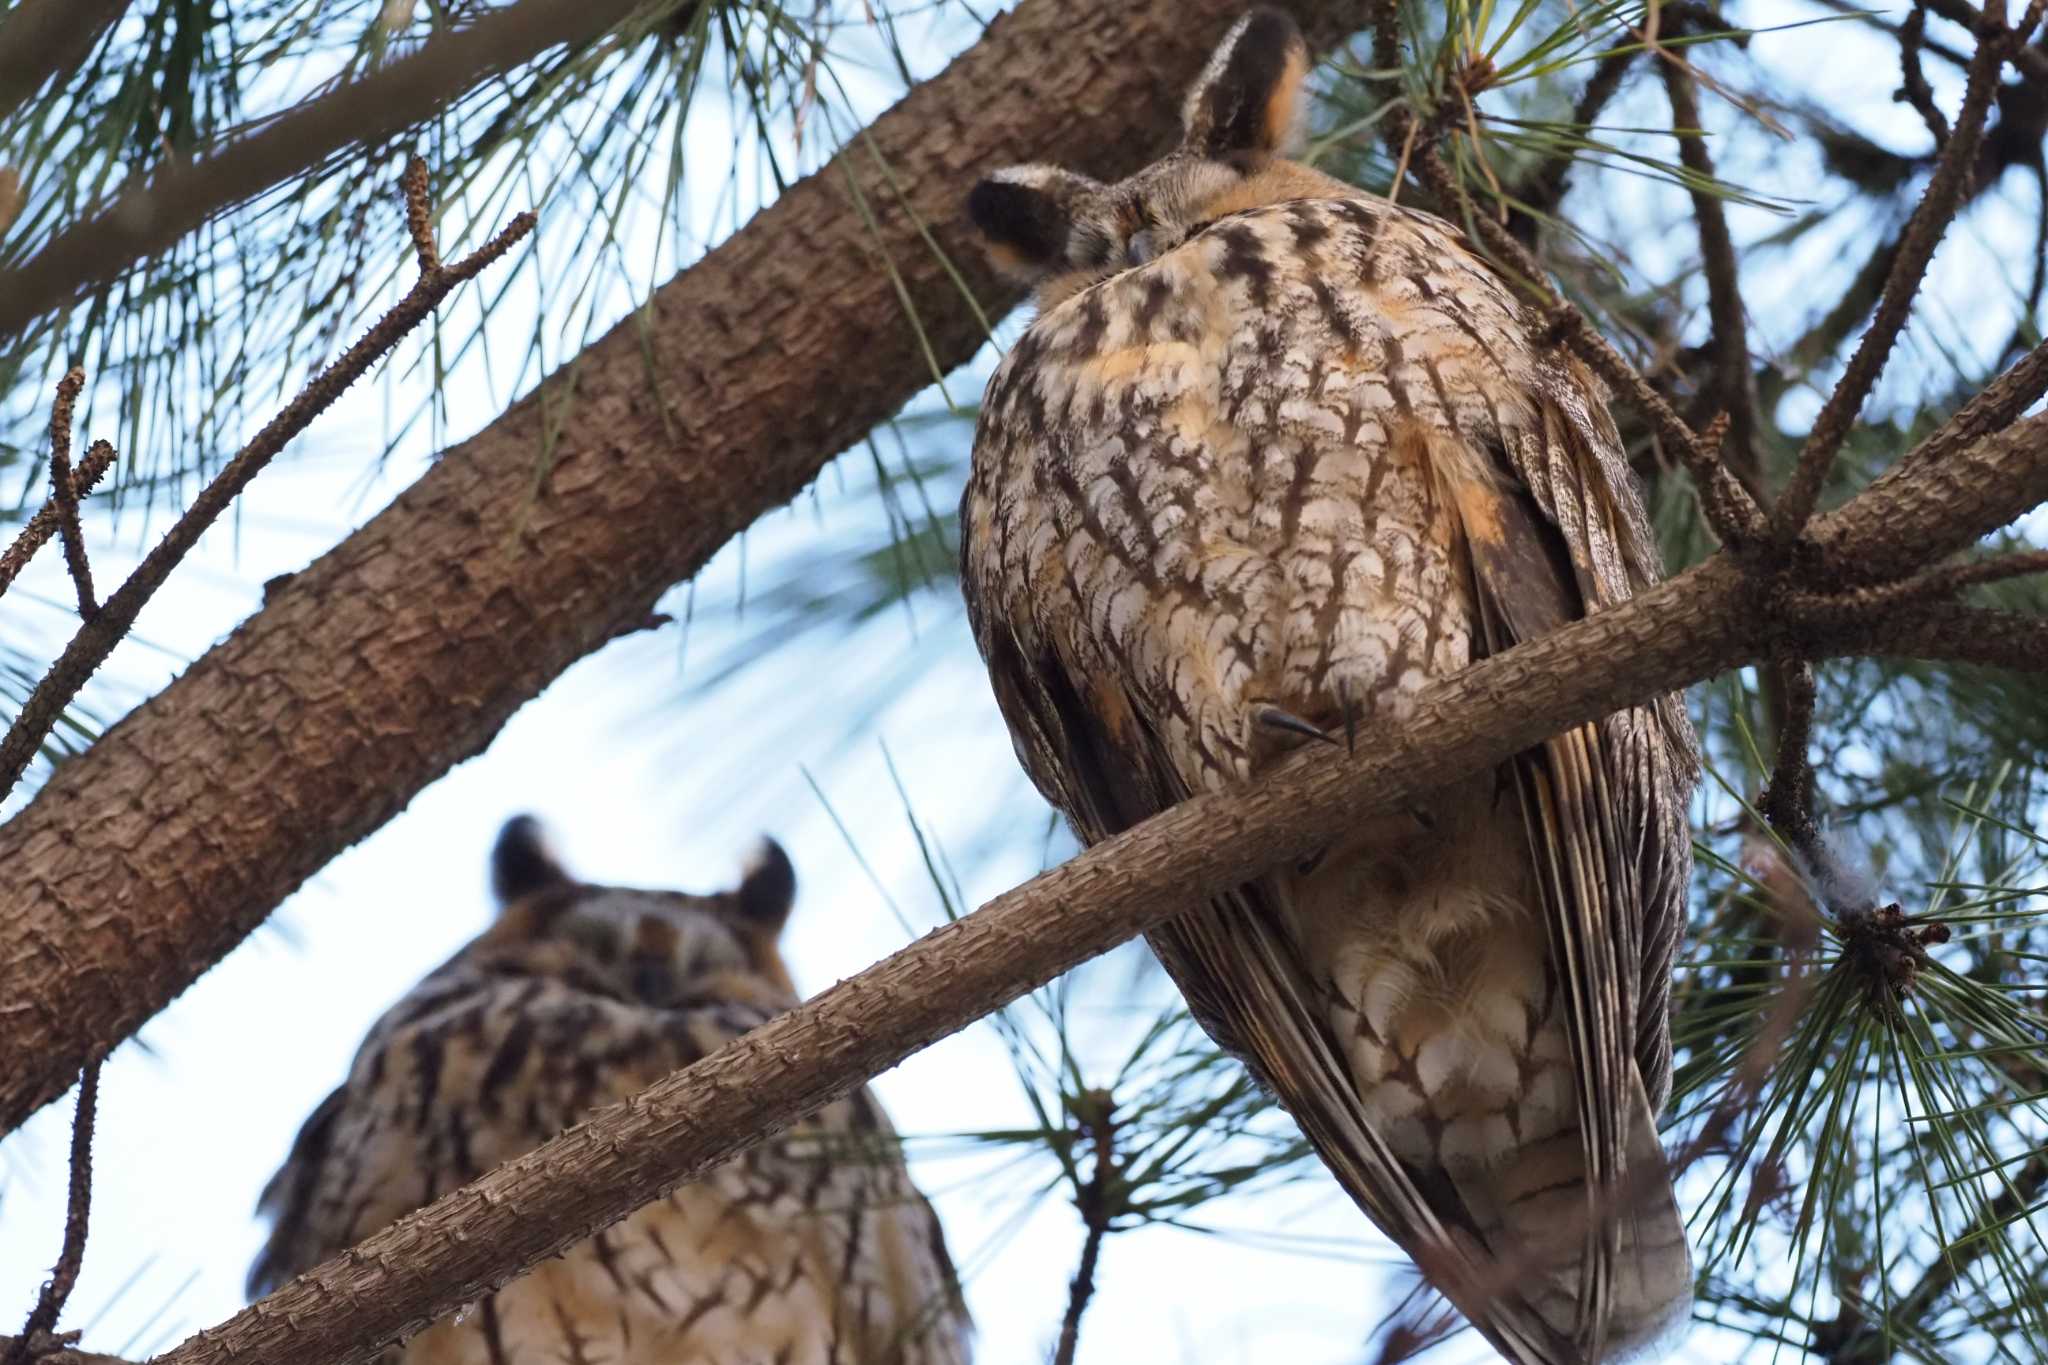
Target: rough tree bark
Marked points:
1708	619
402	651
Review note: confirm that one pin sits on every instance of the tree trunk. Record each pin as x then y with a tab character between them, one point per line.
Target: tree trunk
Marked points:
403	650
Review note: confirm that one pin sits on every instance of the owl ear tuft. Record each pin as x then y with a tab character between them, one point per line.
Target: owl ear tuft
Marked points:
767	887
1026	216
522	863
1249	97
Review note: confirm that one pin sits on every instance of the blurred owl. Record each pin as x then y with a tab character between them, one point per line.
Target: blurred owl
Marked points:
1274	455
812	1249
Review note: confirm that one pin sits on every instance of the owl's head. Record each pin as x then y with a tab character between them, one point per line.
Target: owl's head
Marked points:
1061	232
662	948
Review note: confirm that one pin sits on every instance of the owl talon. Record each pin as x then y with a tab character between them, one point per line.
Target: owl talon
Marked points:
1274	718
1423	817
1350	718
1312	861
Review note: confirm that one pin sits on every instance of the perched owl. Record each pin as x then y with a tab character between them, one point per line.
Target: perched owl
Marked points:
812	1249
1273	456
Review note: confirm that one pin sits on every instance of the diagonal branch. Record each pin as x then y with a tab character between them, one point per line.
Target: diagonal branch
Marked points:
1924	231
146	219
36	532
1732	390
64	497
105	627
401	652
475	1238
42	1319
1729	509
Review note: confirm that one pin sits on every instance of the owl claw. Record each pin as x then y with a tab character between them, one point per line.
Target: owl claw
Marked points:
1312	861
1350	718
1275	718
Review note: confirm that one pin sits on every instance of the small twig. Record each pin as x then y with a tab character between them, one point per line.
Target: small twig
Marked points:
1821	610
50	1303
1733	393
1787	802
64	491
40	527
419	215
1913	81
1730	511
1924	231
90	647
1096	1112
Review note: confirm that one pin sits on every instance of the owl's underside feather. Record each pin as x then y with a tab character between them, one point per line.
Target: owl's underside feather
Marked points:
1311	460
812	1249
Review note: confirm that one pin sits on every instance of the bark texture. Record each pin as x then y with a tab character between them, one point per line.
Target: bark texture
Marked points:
471	1240
402	651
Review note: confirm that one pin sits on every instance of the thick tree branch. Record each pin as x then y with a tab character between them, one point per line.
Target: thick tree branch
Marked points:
476	1238
146	219
402	651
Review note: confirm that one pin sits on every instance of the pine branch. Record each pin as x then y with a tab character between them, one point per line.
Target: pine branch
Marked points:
49	1306
475	1238
105	627
1731	390
1924	230
147	219
400	653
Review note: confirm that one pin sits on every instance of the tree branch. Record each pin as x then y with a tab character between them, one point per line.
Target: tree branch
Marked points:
42	1319
401	652
105	627
475	1238
1732	392
1924	231
148	218
45	40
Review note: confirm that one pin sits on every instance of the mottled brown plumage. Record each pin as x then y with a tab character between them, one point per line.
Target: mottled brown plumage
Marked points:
1273	456
812	1249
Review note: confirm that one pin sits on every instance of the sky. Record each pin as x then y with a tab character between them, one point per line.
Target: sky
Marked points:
647	777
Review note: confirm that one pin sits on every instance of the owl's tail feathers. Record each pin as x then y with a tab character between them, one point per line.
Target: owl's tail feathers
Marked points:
1619	1303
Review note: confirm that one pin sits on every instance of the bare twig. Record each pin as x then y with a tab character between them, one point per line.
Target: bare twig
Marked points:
1913	86
39	528
1732	390
42	1319
1924	231
1823	609
90	647
1096	1114
64	491
1788	801
1728	507
45	40
1543	189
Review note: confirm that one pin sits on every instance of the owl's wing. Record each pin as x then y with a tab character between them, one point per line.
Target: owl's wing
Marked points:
1236	964
480	1064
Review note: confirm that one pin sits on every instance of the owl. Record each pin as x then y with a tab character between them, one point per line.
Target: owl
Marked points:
812	1249
1273	456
